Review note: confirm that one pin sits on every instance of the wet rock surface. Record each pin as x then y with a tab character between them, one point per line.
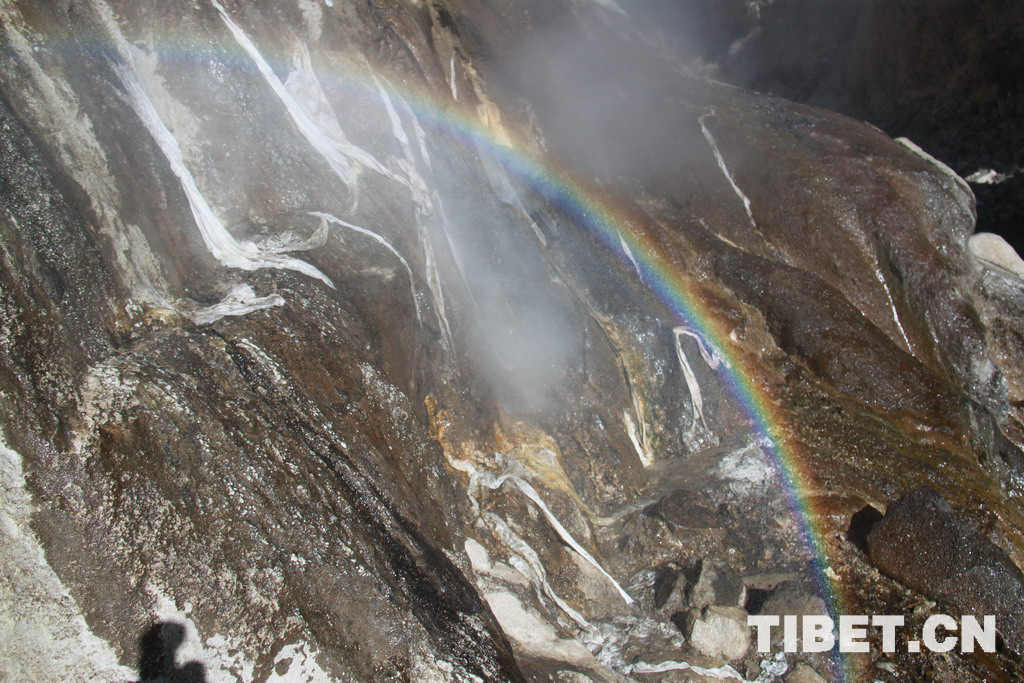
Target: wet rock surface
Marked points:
463	341
922	542
946	74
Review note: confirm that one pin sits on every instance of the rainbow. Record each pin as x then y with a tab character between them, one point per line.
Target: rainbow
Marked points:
622	235
637	249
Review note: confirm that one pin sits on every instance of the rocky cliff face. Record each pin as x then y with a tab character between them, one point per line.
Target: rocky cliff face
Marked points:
465	341
946	74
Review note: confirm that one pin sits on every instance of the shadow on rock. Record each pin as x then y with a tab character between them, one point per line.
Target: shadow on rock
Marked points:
158	648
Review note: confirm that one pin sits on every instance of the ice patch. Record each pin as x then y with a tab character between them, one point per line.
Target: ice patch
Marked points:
966	195
297	664
221	656
747	470
993	250
771	669
241	300
534	634
988	176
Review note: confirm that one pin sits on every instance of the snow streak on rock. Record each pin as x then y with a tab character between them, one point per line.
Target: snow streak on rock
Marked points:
43	635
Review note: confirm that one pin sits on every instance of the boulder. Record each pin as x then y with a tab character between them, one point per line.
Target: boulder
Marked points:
925	544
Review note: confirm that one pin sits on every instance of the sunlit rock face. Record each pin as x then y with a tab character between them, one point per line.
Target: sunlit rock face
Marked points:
388	340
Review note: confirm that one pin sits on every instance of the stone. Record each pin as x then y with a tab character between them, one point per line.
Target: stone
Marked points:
803	672
717	585
718	632
993	250
923	543
670	590
790	597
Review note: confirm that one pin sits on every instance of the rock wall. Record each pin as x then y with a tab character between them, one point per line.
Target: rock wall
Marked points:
325	354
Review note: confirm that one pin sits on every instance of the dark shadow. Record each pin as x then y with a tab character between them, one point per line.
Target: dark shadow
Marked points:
157	649
755	599
861	525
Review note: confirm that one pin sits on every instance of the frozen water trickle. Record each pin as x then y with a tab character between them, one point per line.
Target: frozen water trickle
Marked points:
239	301
711	355
451	79
632	259
492	481
698	433
310	111
223	246
722	165
326	218
639	440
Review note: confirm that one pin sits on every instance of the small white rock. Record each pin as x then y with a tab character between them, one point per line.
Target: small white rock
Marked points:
993	250
719	632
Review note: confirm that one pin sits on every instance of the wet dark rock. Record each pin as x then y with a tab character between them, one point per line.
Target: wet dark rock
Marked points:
947	74
670	588
717	585
335	360
861	525
923	543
